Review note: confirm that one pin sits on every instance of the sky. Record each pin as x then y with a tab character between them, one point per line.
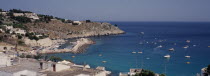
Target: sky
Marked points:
117	10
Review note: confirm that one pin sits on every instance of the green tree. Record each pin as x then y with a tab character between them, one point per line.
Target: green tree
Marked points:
146	73
28	56
21	19
55	59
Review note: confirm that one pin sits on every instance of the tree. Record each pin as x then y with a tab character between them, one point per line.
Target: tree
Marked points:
18	11
55	59
1	10
28	56
146	73
208	69
38	56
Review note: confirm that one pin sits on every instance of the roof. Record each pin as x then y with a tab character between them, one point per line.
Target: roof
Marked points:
136	70
24	64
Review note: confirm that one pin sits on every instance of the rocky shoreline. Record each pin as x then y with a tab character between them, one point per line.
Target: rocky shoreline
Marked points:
79	46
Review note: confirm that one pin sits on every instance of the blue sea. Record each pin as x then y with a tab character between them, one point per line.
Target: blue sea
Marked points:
117	49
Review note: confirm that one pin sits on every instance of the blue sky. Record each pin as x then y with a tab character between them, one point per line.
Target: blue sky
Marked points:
117	10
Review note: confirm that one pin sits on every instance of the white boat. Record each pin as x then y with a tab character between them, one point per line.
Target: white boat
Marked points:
134	52
100	55
187	56
167	56
185	47
140	52
171	49
188	41
104	61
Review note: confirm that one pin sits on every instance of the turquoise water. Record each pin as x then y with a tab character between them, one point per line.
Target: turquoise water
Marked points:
116	49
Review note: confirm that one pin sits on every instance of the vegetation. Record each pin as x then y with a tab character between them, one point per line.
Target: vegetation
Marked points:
18	11
208	69
45	18
88	21
38	56
1	10
145	73
31	36
55	59
21	19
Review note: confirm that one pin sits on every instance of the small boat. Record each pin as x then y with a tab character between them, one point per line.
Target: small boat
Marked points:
72	56
104	61
185	47
142	32
134	52
100	55
187	56
174	43
209	46
160	46
147	58
188	41
194	45
167	56
171	49
187	62
140	52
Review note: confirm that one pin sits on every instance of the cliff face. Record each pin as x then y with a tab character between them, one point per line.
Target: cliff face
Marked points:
58	29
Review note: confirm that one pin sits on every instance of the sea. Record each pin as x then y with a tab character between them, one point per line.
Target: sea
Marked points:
140	47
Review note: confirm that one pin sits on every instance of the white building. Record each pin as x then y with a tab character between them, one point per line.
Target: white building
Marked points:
32	16
18	14
3	13
18	31
78	22
5	60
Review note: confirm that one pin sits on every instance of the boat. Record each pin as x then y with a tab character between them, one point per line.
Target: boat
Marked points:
140	52
134	52
160	46
100	55
208	46
142	32
187	62
171	49
72	56
185	47
188	41
167	56
104	61
187	56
